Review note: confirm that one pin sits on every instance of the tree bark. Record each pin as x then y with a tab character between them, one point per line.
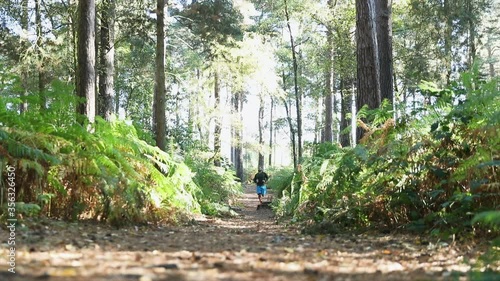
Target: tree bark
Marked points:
261	132
345	108
319	130
367	66
159	117
448	40
328	100
41	74
218	126
472	35
271	133
239	136
298	96
107	67
85	77
290	125
23	106
384	46
491	63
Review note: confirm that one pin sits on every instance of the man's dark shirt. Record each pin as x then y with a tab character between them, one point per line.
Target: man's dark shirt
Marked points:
260	178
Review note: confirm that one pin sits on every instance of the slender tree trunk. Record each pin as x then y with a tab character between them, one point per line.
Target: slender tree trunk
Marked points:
234	124
41	74
85	82
292	133
74	39
239	136
23	107
117	102
107	67
191	113
472	35
290	125
218	126
261	131
384	42
271	121
298	96
159	118
448	40
397	97
491	60
199	90
319	130
328	103
367	66
345	108
328	100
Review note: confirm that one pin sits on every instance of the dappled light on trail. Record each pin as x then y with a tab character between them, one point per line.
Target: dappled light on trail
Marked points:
250	246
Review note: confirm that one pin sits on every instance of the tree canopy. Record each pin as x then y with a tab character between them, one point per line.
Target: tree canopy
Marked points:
371	113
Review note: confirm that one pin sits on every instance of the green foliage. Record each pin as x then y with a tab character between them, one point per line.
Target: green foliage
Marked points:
490	218
107	174
432	173
218	185
214	22
27	210
280	182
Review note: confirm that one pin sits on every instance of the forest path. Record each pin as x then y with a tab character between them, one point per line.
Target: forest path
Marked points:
249	247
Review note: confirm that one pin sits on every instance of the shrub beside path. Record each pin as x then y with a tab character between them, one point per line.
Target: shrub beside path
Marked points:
251	246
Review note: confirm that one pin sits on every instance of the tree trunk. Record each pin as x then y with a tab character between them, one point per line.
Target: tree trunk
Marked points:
271	134
85	82
472	35
23	106
298	96
159	118
319	130
261	132
39	37
234	124
448	40
107	67
491	63
290	125
384	46
345	108
367	66
218	126
328	100
239	136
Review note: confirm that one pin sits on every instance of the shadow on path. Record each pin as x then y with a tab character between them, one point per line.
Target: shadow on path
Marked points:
249	247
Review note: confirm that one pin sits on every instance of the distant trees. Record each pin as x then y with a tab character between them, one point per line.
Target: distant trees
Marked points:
176	87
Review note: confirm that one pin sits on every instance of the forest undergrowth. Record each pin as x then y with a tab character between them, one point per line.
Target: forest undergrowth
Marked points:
107	171
433	172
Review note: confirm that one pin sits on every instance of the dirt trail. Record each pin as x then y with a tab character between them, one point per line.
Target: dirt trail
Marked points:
249	247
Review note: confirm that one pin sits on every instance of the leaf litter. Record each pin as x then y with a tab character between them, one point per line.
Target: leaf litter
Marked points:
250	246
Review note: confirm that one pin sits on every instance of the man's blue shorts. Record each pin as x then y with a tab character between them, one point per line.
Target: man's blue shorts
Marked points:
261	189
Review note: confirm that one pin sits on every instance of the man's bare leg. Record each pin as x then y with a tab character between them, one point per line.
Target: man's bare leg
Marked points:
260	198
